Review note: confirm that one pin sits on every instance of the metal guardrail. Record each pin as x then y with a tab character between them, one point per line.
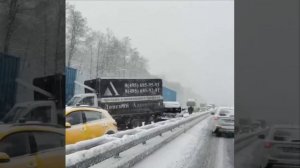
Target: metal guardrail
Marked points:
87	144
97	154
243	140
247	136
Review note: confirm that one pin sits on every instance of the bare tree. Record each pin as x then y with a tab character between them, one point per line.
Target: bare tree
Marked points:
90	42
75	31
108	55
100	51
13	9
60	29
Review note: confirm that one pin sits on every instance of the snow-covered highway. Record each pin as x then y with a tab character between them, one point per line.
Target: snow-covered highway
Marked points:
196	148
185	143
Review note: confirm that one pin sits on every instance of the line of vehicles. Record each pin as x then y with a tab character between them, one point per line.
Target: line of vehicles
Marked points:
41	128
128	102
108	105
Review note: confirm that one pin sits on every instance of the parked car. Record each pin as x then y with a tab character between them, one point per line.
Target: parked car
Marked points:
32	145
172	109
83	123
282	147
223	121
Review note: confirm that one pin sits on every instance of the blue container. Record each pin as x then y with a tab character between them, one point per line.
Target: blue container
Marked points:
71	74
9	70
169	94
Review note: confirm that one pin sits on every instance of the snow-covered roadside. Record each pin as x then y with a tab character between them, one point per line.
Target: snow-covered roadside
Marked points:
224	158
87	144
178	152
104	151
250	156
215	152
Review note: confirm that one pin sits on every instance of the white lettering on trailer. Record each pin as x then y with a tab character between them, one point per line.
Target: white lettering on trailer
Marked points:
126	99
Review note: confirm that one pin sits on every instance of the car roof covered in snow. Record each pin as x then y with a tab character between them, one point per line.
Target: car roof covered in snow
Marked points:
173	104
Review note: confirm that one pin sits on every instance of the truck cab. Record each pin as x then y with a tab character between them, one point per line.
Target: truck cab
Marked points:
87	99
47	105
42	111
172	109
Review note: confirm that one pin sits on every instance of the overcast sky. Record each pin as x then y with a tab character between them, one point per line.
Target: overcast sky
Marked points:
189	42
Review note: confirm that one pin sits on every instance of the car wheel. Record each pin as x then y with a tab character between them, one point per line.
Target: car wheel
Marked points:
229	135
110	132
218	133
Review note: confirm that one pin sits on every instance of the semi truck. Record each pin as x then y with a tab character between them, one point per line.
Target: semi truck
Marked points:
131	102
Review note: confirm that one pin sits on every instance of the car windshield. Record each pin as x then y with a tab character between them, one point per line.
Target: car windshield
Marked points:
287	134
14	114
73	101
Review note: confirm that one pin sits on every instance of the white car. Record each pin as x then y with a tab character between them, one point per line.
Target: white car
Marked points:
282	147
172	109
223	121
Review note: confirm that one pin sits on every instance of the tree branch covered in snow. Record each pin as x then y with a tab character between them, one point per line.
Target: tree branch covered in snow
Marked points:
100	54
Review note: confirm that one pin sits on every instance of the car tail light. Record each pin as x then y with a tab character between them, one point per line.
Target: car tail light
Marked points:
268	145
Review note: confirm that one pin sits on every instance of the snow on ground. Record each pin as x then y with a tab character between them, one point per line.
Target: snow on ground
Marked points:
132	152
197	148
178	151
250	156
217	153
225	153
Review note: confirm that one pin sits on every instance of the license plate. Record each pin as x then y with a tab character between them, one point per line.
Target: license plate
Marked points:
229	120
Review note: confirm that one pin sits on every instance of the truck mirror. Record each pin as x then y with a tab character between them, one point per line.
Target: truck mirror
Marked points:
68	125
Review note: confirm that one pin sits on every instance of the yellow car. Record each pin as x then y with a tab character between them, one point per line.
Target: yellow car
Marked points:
31	146
83	123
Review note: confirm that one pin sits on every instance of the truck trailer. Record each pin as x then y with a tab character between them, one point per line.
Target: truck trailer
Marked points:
130	101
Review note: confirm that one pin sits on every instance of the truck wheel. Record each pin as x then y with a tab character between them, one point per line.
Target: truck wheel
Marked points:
121	126
218	133
150	119
135	123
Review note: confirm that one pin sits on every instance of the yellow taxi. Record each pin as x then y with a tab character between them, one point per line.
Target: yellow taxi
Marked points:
31	146
83	123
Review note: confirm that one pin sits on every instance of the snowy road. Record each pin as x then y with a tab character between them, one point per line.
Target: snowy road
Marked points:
196	148
250	156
